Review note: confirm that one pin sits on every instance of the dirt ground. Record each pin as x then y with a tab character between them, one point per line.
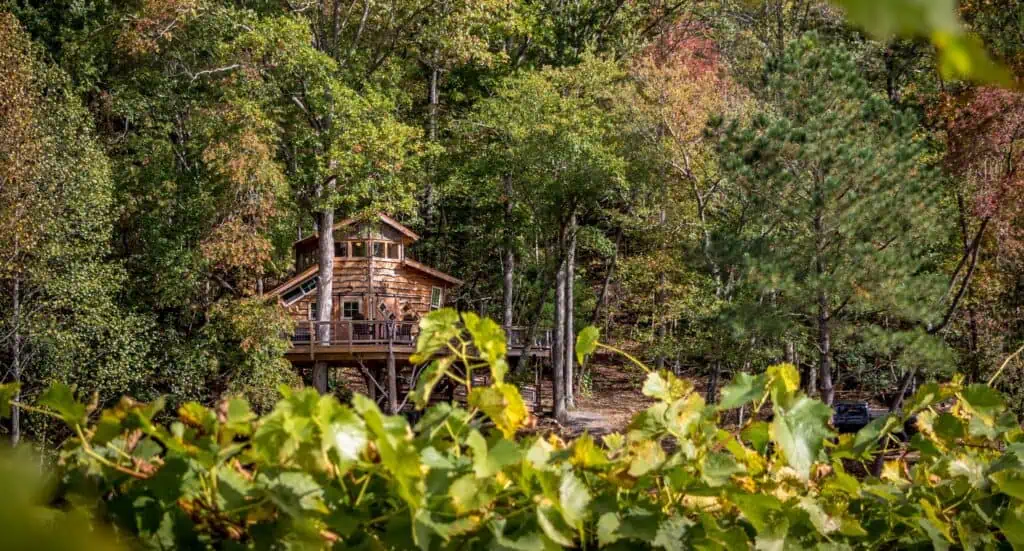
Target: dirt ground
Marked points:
609	406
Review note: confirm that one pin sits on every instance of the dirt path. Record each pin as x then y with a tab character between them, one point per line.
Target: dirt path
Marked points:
613	401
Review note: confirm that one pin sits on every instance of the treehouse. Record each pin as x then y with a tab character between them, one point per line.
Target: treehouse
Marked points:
379	293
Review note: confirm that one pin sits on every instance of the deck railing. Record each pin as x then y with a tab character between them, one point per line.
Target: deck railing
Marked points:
354	333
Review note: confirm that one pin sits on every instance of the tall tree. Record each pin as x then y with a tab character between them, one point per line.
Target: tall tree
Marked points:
823	178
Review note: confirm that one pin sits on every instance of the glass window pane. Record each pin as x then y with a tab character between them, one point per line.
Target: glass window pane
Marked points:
349	309
358	249
435	297
313	311
393	250
378	250
292	296
340	249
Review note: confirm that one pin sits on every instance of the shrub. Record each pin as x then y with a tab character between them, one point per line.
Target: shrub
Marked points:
315	473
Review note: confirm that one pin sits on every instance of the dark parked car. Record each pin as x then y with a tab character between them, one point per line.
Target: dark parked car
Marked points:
851	416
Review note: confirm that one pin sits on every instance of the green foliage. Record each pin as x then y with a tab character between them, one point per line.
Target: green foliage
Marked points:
314	473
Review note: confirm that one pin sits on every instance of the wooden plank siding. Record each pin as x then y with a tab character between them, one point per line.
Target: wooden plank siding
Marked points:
373	281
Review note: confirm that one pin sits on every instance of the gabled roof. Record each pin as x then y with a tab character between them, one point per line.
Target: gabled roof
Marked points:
428	270
349	221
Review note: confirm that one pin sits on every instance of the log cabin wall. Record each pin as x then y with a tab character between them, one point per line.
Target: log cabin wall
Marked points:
403	291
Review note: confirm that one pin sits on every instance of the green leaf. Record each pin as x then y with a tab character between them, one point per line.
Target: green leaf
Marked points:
586	343
672	534
983	401
717	468
757	508
758	434
8	392
1010	482
347	435
663	385
574	497
503	404
59	398
429	379
743	389
1012	525
783	384
553	525
800	431
607	528
489	340
488	462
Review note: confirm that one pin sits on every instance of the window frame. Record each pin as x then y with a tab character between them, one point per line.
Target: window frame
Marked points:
393	247
341	249
354	245
312	283
373	248
312	310
345	302
440	298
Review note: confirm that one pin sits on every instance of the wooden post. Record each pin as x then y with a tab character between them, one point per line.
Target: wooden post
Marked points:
320	377
312	338
392	381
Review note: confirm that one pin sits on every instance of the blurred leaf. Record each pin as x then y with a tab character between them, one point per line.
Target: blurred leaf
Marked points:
586	343
800	431
59	398
743	389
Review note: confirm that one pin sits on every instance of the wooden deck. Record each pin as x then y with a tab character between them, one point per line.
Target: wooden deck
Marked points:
341	341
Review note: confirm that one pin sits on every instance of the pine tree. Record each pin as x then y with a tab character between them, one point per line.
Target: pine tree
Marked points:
840	201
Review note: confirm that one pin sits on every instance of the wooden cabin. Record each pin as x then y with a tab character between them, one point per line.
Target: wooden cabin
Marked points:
379	294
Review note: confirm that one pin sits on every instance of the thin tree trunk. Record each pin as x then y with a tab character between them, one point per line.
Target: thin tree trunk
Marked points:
508	266
790	353
325	250
606	284
558	348
711	395
16	344
825	351
392	382
570	342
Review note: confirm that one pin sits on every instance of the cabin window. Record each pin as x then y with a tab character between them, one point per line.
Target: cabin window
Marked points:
314	310
300	291
378	250
292	296
340	249
350	309
358	249
435	298
394	250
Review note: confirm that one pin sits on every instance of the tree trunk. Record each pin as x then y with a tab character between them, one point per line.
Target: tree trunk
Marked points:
320	377
325	244
325	250
558	344
825	351
392	382
570	342
508	266
16	344
790	353
608	274
711	396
